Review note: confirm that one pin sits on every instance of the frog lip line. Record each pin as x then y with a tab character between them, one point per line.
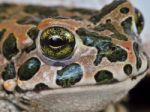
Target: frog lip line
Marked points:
87	88
132	78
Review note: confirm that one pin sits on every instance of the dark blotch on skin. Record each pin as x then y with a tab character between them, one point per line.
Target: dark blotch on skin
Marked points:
104	77
128	26
28	69
9	72
33	34
2	18
106	10
10	47
2	33
124	10
69	75
40	87
83	11
139	19
4	7
42	11
29	20
109	26
137	53
104	46
128	69
78	18
20	90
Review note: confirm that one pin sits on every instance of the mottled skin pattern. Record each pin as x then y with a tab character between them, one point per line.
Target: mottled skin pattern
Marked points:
105	48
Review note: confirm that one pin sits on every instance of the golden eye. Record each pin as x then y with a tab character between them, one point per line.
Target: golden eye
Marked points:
57	42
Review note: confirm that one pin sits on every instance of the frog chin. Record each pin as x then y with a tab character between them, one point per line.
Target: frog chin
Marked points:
83	98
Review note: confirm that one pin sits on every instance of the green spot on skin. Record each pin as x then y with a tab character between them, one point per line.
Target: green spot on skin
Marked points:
124	10
109	26
33	34
42	11
128	69
4	7
104	46
104	77
139	20
69	75
10	47
2	18
29	20
136	50
2	33
128	26
9	72
28	69
106	10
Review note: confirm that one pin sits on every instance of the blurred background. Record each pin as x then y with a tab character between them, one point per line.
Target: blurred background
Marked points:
139	97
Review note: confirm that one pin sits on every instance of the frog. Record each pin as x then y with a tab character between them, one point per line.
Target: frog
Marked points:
60	59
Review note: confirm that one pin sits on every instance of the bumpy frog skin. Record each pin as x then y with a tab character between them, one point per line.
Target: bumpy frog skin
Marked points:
62	49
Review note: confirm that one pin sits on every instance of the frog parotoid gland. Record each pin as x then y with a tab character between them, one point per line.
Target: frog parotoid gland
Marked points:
58	48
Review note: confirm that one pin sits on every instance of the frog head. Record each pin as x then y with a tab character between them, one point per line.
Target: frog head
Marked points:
75	53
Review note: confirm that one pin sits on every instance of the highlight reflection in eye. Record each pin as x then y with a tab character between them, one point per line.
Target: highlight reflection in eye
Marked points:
57	42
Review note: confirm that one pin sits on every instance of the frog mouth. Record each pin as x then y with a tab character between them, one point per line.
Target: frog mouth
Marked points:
131	79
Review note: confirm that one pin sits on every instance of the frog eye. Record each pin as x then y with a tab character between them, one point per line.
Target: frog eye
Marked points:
57	42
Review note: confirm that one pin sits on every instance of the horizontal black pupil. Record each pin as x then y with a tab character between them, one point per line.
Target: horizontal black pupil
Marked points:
55	42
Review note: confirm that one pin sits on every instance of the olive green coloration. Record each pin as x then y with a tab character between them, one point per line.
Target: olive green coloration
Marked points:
124	10
128	26
78	18
4	7
106	10
33	34
10	47
9	72
104	77
110	27
29	20
2	33
42	11
28	69
139	20
128	69
69	75
2	18
104	46
57	43
138	59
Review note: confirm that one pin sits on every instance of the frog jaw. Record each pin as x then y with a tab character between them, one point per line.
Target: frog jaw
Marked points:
87	98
